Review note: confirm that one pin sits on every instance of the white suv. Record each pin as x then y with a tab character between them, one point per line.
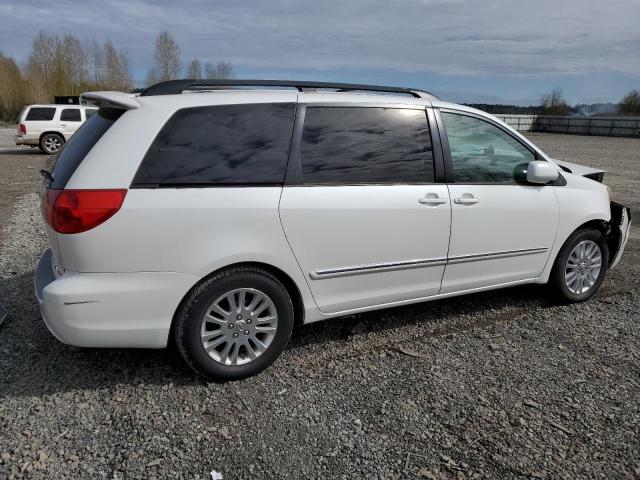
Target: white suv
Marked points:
218	216
50	126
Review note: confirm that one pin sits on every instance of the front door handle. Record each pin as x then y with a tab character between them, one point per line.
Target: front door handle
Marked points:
465	200
433	199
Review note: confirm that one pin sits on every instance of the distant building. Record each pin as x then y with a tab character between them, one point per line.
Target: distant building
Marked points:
66	100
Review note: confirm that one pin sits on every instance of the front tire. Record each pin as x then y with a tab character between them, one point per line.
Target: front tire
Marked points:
234	324
51	143
580	267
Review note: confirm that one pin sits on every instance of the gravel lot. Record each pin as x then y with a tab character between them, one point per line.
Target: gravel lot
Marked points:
496	385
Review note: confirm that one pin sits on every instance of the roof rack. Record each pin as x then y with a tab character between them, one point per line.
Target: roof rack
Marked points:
172	87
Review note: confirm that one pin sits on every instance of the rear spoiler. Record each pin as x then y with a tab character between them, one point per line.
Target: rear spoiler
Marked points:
111	99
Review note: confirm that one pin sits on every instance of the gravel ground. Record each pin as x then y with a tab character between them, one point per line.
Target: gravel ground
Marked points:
496	385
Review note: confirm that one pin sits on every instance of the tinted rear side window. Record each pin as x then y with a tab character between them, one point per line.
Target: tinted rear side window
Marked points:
81	143
40	114
356	145
224	144
70	115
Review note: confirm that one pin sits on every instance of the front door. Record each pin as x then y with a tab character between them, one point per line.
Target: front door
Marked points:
366	221
502	229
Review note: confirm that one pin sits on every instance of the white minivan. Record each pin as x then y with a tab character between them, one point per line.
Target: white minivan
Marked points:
50	126
216	214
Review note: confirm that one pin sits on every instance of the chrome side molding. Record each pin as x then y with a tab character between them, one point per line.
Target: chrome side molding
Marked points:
430	262
492	256
375	267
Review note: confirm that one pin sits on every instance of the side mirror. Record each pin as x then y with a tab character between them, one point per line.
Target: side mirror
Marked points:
541	172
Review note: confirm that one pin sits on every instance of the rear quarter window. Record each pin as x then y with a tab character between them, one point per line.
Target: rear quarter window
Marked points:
70	115
79	145
220	145
36	114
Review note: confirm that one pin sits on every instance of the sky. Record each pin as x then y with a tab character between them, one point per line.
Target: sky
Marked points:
494	51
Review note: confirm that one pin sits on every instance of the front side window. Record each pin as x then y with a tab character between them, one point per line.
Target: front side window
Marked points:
482	152
40	114
70	115
358	145
223	144
89	112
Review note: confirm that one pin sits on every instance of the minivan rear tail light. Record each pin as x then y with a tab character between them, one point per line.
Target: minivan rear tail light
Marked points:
76	211
23	128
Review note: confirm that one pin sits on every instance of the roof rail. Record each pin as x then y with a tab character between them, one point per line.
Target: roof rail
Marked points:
171	87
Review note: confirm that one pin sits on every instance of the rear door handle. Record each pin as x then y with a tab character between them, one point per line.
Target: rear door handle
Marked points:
433	199
465	200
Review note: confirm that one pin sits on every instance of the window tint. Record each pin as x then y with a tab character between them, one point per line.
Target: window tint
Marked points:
358	145
70	115
225	144
90	112
81	143
482	152
40	113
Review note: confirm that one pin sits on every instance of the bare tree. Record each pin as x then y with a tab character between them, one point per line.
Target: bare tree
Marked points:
166	59
12	91
630	103
194	70
554	104
96	63
56	66
221	70
66	66
117	74
40	67
71	71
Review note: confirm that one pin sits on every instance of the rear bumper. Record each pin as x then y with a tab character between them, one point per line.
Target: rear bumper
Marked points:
131	310
25	140
619	234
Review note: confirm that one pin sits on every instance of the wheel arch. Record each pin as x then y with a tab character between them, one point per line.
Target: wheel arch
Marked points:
599	224
51	132
281	275
607	229
595	222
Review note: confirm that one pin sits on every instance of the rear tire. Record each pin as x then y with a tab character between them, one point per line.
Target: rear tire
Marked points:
51	143
234	324
580	266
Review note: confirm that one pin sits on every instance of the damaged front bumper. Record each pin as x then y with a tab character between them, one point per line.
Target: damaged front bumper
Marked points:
618	233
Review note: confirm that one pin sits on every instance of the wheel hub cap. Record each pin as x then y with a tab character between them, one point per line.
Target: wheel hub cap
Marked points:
52	144
239	326
583	267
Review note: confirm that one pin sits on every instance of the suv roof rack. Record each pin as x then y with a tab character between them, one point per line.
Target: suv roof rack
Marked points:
172	87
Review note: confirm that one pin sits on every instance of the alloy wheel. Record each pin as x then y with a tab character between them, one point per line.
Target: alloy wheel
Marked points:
239	326
583	267
52	144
